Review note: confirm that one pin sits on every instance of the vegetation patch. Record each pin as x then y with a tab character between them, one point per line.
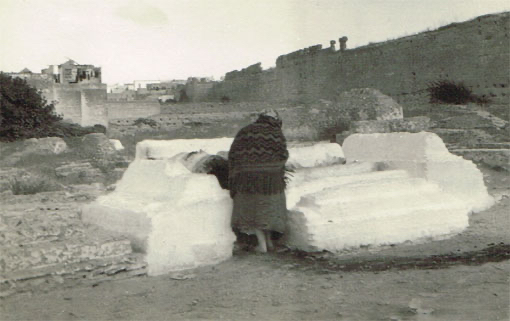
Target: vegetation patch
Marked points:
24	113
146	121
450	92
31	184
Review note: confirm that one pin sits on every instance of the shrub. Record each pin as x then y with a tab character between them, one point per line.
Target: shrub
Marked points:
30	185
24	113
65	129
183	97
450	92
146	121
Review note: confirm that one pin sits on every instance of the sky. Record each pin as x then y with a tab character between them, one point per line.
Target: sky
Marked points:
176	39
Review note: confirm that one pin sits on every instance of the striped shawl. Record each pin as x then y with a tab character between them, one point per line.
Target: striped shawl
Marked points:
257	158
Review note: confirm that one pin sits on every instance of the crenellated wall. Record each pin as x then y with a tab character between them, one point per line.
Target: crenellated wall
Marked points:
475	52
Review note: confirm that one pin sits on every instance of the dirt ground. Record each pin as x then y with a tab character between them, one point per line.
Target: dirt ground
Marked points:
465	277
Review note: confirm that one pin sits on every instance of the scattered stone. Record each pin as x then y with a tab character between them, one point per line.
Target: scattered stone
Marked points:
117	144
98	149
181	276
495	158
44	146
367	104
9	175
416	307
79	172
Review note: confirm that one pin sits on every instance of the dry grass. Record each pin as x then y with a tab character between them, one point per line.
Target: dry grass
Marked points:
32	184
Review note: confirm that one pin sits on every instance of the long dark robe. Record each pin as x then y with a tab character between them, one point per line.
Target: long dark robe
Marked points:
257	176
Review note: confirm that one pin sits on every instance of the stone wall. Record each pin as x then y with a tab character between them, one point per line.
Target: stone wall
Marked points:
78	103
475	52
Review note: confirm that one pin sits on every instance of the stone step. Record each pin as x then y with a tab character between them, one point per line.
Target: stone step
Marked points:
373	208
320	179
354	210
373	195
72	274
38	224
353	168
67	250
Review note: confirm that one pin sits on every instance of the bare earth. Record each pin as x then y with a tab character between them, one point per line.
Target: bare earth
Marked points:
462	278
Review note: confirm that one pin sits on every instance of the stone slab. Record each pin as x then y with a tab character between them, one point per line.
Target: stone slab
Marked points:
422	155
179	219
164	149
375	208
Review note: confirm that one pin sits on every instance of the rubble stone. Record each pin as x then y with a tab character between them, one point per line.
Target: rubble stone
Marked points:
79	172
44	146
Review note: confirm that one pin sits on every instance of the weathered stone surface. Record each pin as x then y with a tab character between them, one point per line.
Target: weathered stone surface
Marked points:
164	149
463	137
314	155
117	144
394	188
97	145
496	158
79	172
72	274
9	175
42	254
370	126
44	146
367	104
44	241
369	208
410	125
179	219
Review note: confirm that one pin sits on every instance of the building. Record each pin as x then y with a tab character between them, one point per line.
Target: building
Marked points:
76	91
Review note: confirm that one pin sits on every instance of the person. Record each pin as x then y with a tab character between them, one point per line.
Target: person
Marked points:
256	180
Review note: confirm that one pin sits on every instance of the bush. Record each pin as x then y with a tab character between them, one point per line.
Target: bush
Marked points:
65	129
30	185
24	113
449	92
146	121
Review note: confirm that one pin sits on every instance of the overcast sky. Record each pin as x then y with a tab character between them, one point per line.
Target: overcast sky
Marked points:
176	39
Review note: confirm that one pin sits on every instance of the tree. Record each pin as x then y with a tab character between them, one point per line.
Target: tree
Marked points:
24	113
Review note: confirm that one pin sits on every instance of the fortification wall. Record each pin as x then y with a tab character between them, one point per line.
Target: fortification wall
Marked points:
92	108
198	91
475	52
79	104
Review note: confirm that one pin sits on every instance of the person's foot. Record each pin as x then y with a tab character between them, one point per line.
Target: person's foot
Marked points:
261	238
269	242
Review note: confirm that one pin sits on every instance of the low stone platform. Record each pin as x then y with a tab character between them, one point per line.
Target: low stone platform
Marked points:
422	155
374	208
394	188
178	219
43	240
